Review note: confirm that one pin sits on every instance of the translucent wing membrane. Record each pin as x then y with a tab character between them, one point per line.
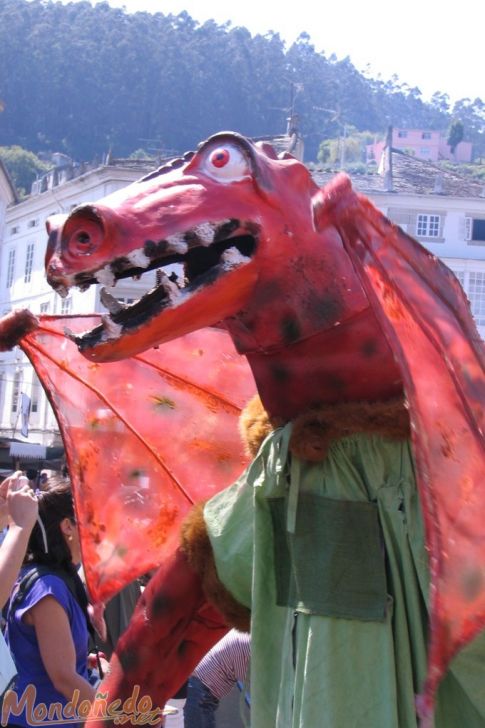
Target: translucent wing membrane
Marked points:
426	318
145	438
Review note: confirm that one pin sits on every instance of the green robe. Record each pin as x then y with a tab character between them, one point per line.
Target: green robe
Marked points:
341	543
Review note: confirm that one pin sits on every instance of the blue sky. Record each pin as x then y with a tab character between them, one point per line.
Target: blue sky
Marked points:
431	44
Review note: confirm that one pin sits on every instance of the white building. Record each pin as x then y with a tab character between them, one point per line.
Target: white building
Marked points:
444	211
22	278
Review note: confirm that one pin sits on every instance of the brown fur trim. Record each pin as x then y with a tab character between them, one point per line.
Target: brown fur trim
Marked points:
14	326
198	549
314	431
255	424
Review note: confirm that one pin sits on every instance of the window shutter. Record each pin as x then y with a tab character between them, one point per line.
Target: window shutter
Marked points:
468	228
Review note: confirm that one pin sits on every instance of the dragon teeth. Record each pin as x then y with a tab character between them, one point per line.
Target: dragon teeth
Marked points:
205	233
110	302
63	291
177	243
232	258
169	287
111	330
139	259
106	277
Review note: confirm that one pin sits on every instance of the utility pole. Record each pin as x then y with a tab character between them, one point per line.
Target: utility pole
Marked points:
342	146
342	125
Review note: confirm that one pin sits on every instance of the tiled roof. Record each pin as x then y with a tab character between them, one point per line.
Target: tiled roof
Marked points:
409	174
412	176
366	183
137	165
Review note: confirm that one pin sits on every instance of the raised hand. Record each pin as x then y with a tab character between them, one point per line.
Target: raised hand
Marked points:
20	499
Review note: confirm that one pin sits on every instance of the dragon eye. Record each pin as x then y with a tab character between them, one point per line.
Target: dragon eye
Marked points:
226	164
220	157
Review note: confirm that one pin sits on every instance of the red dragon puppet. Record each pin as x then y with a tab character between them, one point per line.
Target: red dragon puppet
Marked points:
367	361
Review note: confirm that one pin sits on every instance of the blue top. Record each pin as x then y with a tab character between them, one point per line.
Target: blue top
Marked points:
24	647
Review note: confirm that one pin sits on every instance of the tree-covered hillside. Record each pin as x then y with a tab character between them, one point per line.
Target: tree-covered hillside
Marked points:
83	79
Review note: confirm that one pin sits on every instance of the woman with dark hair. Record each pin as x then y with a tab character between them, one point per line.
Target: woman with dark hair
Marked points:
47	629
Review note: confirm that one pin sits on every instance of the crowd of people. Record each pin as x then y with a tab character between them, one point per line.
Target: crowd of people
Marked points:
48	648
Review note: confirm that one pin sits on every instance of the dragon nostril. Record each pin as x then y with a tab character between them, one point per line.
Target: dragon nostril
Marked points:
83	238
83	232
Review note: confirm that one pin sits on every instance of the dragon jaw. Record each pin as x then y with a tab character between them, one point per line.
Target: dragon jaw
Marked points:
209	262
95	244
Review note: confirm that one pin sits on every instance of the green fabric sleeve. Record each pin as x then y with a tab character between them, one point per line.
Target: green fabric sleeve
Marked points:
229	519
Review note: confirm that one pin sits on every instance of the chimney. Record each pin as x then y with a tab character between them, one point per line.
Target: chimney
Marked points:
387	162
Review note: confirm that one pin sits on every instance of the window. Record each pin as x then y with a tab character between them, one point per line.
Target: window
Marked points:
34	400
16	391
401	134
478	230
460	274
33	223
14	230
474	229
66	305
426	135
473	283
44	307
476	294
424	151
10	267
29	260
428	226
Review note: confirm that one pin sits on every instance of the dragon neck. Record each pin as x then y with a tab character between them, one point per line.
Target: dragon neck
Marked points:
349	362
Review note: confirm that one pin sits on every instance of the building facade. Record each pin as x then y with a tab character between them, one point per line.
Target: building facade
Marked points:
443	210
423	144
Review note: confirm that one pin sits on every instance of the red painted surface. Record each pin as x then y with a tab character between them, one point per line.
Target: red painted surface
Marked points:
173	625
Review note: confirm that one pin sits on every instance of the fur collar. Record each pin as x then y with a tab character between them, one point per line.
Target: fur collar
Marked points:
315	430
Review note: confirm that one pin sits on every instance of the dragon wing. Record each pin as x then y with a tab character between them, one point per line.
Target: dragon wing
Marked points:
144	437
426	318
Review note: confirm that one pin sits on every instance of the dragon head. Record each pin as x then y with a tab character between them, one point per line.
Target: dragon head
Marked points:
239	220
261	255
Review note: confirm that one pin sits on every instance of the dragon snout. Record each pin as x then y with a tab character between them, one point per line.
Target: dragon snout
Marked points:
54	225
72	238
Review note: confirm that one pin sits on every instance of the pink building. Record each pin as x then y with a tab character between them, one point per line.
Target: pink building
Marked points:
423	144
